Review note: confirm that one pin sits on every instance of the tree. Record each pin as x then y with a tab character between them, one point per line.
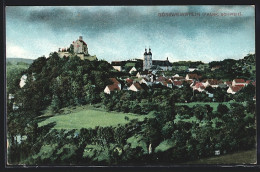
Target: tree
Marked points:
55	103
222	109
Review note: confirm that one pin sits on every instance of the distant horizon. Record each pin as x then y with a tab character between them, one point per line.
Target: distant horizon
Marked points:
142	59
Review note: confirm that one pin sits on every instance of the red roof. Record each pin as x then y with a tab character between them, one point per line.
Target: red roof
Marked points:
178	78
237	88
199	85
114	80
193	76
248	81
160	79
129	82
137	86
167	82
113	87
213	81
177	82
239	80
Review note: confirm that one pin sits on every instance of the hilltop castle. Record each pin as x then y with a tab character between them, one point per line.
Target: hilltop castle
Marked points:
79	48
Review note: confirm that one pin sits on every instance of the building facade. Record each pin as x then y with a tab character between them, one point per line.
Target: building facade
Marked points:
79	48
148	62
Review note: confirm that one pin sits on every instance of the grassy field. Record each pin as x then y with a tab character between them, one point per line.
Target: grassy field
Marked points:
90	117
242	157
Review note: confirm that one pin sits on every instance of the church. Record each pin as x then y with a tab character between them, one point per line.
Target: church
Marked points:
79	48
149	64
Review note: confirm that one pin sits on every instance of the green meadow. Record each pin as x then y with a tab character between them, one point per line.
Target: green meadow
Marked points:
90	118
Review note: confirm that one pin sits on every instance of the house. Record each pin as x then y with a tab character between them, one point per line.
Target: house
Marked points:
129	82
135	87
215	67
15	106
160	80
165	65
234	89
238	82
10	96
117	65
228	83
167	83
248	82
110	88
192	76
142	74
22	81
198	86
132	70
113	87
210	95
178	84
211	82
191	69
115	81
146	82
155	69
177	77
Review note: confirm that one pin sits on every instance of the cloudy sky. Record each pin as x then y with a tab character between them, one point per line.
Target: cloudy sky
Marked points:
122	32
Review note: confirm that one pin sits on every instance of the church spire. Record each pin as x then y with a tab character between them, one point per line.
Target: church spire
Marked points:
145	51
149	53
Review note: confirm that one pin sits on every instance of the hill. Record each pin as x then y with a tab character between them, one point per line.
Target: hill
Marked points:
13	60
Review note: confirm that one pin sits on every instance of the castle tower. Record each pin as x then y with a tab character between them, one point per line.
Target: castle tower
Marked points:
80	46
147	63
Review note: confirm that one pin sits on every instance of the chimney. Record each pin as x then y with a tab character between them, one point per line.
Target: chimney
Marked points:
80	38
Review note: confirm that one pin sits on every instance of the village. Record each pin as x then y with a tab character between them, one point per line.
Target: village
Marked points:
143	74
153	72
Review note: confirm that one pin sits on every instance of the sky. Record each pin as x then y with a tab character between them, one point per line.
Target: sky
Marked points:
122	32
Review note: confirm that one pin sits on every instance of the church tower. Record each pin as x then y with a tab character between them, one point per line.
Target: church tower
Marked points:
147	63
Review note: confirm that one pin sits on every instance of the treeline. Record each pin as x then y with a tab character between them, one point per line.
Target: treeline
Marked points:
230	69
191	64
227	69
